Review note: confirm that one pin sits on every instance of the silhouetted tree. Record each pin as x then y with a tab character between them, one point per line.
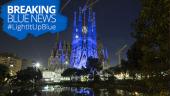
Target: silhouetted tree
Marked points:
150	54
4	73
153	33
27	76
134	56
69	72
94	66
72	72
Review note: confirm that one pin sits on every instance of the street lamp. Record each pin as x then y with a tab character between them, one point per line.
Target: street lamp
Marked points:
37	65
66	62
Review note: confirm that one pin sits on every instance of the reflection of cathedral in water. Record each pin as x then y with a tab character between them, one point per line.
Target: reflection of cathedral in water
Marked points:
84	44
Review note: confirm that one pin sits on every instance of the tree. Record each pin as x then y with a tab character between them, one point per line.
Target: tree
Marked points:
4	73
94	66
82	72
150	53
134	56
69	72
27	76
119	69
124	68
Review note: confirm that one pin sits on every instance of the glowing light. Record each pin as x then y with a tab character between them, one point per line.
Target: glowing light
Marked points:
66	62
11	65
77	36
37	65
11	91
76	30
48	88
136	94
122	76
84	29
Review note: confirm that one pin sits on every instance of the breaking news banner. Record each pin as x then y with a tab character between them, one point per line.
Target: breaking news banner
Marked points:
36	17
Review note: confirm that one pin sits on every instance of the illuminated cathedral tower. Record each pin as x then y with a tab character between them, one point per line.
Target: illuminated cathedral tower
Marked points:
84	42
60	56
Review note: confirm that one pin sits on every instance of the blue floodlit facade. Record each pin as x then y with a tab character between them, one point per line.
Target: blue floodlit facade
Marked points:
84	42
83	45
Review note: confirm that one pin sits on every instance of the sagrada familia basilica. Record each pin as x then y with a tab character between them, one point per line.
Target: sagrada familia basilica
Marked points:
84	44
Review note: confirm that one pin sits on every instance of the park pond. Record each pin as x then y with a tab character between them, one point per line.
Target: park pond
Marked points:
56	90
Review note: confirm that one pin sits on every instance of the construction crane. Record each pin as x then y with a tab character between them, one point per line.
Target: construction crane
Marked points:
62	8
89	5
86	6
119	53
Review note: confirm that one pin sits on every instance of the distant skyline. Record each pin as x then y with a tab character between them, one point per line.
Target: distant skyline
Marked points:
114	20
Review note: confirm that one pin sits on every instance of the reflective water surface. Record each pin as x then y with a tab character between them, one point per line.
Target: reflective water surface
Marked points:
56	90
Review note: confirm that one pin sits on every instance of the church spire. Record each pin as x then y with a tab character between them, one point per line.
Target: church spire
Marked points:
74	26
80	25
80	19
75	21
89	24
94	26
60	45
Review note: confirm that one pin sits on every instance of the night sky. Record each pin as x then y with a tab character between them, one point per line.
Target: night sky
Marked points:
114	20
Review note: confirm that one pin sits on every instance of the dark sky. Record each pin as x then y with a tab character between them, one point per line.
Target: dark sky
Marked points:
113	17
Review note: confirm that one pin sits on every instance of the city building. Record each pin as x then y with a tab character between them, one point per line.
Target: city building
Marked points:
12	61
51	76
